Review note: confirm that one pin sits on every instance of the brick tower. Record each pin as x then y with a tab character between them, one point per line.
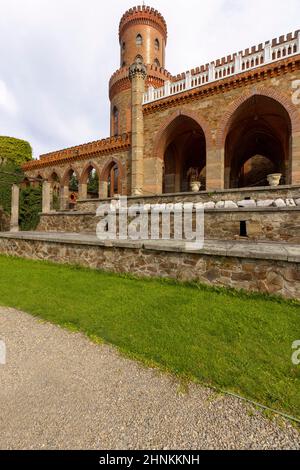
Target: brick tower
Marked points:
143	38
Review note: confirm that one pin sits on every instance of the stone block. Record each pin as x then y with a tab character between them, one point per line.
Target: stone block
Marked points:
231	205
290	203
279	203
265	203
247	203
209	205
220	205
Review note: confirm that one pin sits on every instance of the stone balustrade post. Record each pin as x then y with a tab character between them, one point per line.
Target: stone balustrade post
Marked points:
167	88
211	72
46	198
15	203
267	53
238	63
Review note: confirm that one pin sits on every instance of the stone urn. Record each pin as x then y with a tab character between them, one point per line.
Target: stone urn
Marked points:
194	179
274	179
195	186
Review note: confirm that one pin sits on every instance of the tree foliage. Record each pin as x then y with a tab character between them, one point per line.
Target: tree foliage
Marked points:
30	208
14	150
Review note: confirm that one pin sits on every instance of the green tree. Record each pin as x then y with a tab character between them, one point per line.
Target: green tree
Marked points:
14	150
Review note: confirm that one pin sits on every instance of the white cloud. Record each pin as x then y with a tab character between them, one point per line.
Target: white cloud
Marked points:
57	56
7	100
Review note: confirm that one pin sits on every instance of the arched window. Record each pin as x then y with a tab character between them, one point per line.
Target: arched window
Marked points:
116	121
157	63
156	44
123	63
123	46
139	59
139	40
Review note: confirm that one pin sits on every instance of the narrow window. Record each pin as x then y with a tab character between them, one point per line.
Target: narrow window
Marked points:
157	63
156	45
243	229
139	40
116	121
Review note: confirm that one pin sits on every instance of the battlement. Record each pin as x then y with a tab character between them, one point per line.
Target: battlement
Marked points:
262	54
143	15
79	152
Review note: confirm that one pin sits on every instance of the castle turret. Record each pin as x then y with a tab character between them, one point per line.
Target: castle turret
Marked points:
143	38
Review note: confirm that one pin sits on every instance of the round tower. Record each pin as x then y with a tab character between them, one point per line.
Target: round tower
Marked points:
143	38
143	34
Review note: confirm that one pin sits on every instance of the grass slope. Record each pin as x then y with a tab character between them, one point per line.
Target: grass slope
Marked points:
237	342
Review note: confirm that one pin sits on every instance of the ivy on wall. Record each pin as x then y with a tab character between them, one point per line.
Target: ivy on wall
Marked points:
14	152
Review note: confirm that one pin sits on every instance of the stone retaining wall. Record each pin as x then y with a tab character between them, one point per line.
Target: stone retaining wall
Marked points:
265	275
261	223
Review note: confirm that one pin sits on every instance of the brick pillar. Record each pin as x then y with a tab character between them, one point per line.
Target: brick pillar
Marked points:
46	201
137	75
15	202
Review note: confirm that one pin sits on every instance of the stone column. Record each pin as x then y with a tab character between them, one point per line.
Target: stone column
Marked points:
82	190
214	169
103	188
46	204
137	75
15	202
64	197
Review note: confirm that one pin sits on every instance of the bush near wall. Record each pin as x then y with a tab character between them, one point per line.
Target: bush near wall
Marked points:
30	207
10	174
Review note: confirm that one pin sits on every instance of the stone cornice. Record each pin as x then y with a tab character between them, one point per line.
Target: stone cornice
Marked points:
256	75
81	152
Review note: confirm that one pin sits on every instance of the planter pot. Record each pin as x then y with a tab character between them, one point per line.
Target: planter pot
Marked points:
274	179
195	186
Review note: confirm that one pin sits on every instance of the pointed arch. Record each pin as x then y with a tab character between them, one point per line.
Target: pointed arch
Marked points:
180	147
276	95
161	134
112	178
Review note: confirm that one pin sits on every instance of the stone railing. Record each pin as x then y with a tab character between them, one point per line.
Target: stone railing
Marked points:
271	51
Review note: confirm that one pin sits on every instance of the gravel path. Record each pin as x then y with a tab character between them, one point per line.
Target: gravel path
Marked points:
60	391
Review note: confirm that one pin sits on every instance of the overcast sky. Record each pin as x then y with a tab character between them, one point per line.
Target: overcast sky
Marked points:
56	57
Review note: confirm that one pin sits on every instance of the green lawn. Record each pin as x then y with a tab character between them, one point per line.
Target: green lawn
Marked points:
233	341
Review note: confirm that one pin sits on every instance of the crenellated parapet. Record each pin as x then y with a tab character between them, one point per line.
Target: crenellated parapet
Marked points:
143	15
81	152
